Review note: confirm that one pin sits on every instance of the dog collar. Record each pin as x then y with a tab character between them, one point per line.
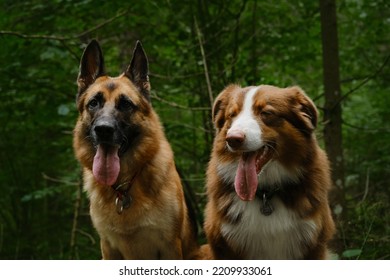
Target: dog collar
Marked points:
123	198
265	195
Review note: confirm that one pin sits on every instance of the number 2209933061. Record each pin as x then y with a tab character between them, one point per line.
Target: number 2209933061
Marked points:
241	270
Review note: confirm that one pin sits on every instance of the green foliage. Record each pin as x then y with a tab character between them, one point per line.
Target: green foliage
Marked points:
246	42
348	254
366	233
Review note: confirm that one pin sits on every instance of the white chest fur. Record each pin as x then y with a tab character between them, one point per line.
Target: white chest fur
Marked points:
278	236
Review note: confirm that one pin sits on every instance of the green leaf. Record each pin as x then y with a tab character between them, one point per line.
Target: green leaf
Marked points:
351	253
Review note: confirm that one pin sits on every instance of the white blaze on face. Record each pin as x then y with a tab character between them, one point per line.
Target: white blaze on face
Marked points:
244	136
245	124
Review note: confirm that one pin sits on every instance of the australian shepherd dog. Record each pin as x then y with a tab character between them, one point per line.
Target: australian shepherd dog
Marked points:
267	179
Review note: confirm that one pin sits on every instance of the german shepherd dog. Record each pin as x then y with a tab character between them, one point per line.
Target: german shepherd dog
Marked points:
136	198
267	179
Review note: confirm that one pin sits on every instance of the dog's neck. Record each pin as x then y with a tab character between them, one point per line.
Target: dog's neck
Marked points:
265	193
123	198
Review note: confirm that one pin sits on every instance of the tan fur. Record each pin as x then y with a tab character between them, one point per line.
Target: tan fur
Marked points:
156	225
303	205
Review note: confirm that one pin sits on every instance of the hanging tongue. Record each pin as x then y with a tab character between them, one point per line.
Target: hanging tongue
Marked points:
249	166
106	165
245	182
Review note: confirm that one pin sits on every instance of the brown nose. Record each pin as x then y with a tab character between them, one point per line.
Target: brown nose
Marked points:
235	139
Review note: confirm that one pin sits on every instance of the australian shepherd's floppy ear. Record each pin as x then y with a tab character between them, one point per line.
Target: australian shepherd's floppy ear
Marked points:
267	179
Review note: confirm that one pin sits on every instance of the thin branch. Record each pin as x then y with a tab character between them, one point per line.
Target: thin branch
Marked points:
75	55
178	106
191	127
90	237
366	80
70	183
102	24
352	79
374	130
367	186
76	214
236	38
34	36
62	38
366	238
175	77
206	71
318	97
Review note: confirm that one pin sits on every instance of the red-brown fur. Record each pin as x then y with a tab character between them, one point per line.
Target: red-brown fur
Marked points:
287	118
157	224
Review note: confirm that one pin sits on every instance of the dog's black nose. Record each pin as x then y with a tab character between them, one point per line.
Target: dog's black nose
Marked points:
104	131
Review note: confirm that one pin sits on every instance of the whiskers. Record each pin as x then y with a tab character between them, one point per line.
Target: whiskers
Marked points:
124	143
271	144
88	138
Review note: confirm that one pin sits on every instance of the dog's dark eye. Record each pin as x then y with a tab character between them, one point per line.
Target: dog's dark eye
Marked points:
232	114
266	113
93	104
267	116
125	104
271	117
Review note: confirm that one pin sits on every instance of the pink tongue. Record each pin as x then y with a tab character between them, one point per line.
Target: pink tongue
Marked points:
246	180
106	165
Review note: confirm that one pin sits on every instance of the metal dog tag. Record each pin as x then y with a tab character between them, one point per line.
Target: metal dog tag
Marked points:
122	202
126	201
266	208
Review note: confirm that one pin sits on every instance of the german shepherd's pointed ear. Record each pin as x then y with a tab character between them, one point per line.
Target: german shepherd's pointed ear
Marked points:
91	67
138	71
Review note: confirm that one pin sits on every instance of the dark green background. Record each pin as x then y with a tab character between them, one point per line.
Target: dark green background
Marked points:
44	215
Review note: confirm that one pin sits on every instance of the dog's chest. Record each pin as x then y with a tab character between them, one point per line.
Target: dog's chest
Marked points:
256	236
137	217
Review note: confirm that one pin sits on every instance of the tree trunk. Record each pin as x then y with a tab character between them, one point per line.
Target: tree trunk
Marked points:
332	108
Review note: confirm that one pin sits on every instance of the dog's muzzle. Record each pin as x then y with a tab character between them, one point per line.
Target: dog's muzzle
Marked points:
104	131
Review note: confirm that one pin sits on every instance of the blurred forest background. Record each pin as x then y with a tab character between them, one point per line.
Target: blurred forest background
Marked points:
195	48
